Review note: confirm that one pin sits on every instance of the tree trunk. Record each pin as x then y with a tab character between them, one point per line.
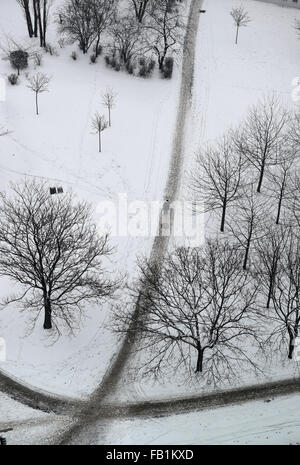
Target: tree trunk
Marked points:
48	316
261	177
37	103
223	215
199	367
35	19
100	145
161	61
247	250
237	35
97	46
40	23
109	116
28	18
280	201
45	22
291	347
270	293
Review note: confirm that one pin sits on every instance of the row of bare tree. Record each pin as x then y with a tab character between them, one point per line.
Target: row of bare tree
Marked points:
36	13
263	151
202	310
208	307
154	25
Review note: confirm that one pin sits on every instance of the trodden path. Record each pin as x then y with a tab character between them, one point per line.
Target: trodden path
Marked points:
93	413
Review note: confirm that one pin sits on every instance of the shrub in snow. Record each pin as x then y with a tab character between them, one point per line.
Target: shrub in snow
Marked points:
107	60
13	79
38	59
130	67
51	50
19	60
74	56
151	66
93	58
167	70
98	50
62	42
146	67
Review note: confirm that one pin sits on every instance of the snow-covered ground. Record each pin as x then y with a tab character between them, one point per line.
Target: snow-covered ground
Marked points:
276	421
228	79
28	426
58	146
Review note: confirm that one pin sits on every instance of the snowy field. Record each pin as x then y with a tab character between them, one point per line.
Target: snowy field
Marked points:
58	147
229	79
271	422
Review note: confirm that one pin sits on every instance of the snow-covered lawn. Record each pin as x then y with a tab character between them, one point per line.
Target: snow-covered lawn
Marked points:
58	146
276	421
29	427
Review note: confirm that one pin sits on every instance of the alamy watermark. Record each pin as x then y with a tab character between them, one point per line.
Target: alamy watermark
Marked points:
137	218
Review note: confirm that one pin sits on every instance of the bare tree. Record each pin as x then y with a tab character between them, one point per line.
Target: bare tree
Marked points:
241	18
49	246
76	20
293	136
99	124
269	249
109	101
127	38
104	12
217	178
165	29
263	132
25	5
194	309
280	184
38	83
294	203
284	315
246	222
140	8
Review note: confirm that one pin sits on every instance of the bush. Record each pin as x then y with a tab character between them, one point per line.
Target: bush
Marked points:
168	68
74	56
146	67
62	42
113	62
13	79
151	66
19	59
129	67
38	59
51	50
98	50
143	72
93	58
